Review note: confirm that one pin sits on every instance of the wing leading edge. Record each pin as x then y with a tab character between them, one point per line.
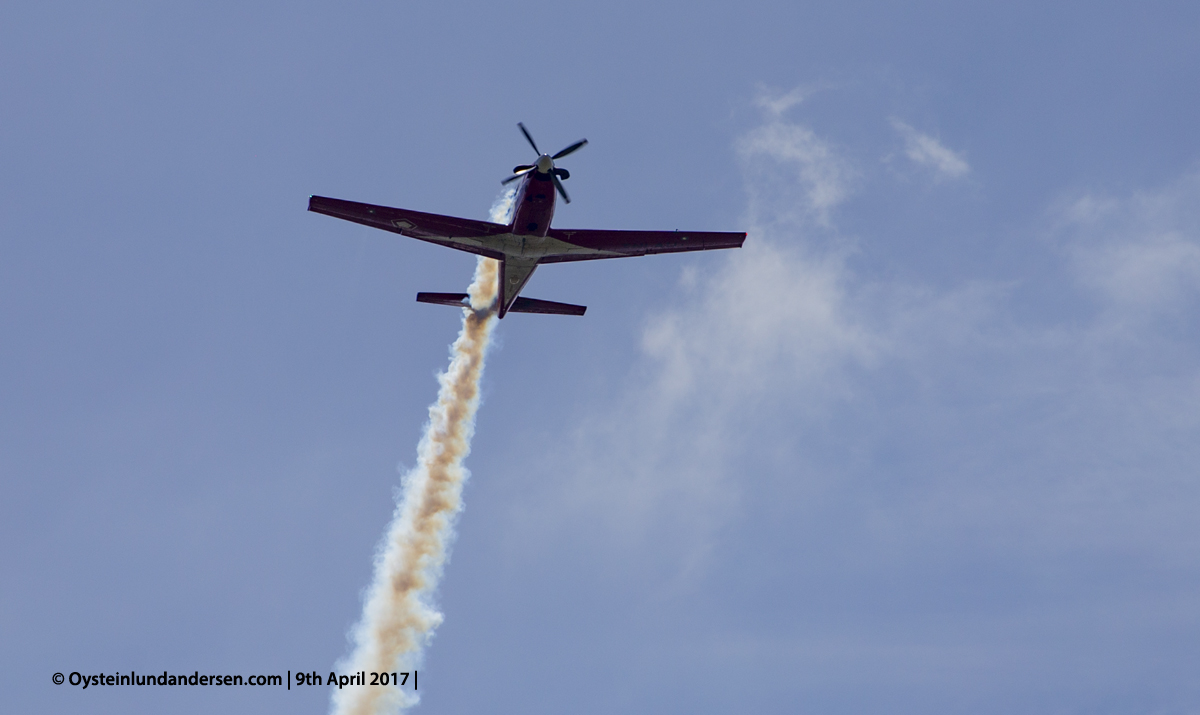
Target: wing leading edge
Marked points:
462	233
619	244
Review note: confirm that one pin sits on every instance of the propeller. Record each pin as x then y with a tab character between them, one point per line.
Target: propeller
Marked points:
558	185
518	172
545	163
532	143
577	145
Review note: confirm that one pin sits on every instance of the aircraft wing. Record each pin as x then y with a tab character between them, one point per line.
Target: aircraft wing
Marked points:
462	233
617	244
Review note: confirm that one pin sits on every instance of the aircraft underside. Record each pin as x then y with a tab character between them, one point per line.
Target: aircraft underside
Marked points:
521	253
528	240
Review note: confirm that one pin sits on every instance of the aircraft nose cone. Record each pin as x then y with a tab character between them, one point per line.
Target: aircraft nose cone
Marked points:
544	164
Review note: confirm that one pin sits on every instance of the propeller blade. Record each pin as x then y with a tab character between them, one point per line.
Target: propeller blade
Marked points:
519	168
558	185
531	142
518	173
577	145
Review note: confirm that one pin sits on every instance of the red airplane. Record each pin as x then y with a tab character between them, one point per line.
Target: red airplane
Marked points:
528	240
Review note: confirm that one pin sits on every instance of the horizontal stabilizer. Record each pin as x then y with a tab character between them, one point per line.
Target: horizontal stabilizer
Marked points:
533	305
458	300
520	305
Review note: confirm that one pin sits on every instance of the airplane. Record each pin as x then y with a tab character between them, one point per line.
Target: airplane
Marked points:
528	240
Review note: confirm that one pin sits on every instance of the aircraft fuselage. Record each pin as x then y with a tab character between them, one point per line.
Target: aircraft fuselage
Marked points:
534	205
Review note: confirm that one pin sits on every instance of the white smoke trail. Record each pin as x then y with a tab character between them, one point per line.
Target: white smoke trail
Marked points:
398	613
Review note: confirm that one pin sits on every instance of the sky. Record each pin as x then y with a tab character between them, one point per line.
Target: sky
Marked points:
926	443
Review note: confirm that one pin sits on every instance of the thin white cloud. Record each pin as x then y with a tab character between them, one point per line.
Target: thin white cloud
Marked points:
768	311
909	421
1140	255
790	160
927	151
776	103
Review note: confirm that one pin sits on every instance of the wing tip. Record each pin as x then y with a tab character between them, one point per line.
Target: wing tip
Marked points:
319	204
458	300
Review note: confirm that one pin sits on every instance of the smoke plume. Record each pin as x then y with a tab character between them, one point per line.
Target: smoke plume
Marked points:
398	613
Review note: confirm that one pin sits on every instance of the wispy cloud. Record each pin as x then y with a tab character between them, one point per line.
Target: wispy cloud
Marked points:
776	103
1140	255
790	160
797	176
909	421
928	152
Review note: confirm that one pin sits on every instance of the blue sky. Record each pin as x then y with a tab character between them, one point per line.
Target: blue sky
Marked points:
928	443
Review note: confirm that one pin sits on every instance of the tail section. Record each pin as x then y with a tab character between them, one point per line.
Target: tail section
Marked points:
460	300
546	307
520	305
